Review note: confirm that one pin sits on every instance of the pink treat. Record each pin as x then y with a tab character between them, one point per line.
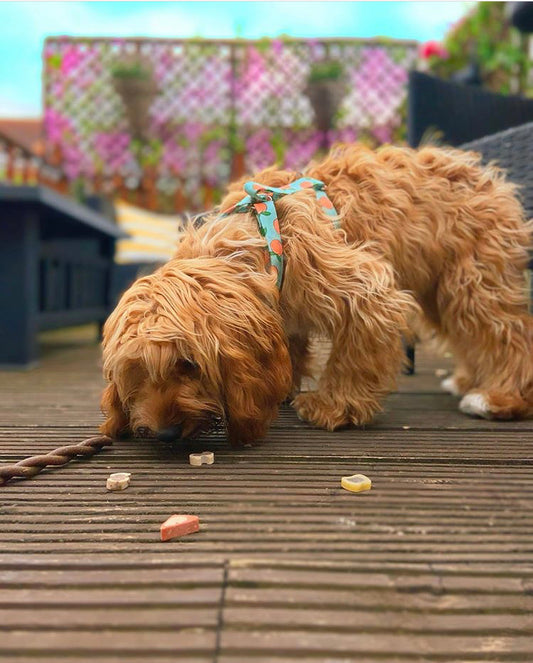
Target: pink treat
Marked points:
179	525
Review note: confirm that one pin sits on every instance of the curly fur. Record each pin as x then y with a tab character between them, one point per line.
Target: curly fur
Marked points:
431	231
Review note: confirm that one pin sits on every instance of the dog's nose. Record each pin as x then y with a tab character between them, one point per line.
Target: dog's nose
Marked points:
170	434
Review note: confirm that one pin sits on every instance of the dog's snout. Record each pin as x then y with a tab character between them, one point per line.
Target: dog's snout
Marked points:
170	434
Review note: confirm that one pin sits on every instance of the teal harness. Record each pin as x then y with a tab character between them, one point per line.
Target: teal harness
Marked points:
260	199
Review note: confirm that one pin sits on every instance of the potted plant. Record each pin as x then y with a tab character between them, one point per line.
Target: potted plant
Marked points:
325	88
134	83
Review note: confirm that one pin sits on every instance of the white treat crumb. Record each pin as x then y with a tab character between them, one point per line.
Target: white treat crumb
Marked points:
118	481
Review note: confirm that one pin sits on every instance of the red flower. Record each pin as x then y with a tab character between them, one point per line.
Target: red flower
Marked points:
433	48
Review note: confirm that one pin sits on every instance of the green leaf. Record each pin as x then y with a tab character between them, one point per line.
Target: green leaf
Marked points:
55	61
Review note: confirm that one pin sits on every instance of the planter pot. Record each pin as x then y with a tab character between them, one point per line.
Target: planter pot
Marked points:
325	98
137	95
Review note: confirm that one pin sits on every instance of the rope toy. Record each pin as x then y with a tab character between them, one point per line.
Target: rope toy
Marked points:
29	467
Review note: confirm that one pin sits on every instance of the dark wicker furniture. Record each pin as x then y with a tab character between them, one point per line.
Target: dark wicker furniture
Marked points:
460	113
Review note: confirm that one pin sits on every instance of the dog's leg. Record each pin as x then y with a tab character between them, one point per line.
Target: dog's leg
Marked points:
117	421
459	382
365	315
490	331
299	350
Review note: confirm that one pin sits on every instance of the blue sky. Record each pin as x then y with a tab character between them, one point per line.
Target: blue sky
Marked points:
24	26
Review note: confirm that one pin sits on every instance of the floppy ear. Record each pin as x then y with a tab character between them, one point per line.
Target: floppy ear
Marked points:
255	371
117	420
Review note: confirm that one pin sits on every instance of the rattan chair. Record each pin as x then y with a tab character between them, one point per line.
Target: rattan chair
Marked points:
459	113
513	151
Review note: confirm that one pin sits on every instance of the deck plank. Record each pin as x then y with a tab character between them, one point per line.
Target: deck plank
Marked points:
435	563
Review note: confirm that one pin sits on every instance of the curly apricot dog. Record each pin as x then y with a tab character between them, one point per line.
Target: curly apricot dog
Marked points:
209	336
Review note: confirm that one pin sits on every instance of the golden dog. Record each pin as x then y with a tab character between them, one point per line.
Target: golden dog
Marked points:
209	336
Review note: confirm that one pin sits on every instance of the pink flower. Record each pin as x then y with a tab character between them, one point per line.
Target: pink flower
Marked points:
316	50
192	131
383	133
302	145
174	157
277	47
259	151
74	161
377	89
71	60
113	149
55	125
433	48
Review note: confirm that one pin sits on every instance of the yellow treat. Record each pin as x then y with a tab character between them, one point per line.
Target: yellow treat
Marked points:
208	457
356	483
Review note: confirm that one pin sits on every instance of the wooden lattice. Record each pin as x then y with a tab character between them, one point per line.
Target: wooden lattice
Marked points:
211	109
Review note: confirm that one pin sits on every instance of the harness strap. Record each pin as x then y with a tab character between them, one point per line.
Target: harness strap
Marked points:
260	199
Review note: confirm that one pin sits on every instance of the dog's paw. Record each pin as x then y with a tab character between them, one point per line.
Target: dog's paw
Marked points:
476	405
450	385
312	408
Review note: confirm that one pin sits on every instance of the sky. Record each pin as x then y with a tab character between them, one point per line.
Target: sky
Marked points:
25	25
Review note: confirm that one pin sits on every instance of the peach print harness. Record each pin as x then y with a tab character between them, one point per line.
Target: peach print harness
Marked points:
260	199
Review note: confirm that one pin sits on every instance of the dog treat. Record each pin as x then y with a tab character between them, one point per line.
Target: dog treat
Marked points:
356	483
195	459
118	481
179	525
207	457
441	372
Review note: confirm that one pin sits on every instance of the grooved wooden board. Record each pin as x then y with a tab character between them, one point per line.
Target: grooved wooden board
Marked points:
435	563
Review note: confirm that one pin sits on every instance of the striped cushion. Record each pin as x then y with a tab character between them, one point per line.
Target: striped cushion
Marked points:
152	237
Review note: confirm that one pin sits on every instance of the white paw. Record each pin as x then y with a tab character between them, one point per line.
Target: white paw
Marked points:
450	385
475	405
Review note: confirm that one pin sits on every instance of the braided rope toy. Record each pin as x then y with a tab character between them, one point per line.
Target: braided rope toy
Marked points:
29	467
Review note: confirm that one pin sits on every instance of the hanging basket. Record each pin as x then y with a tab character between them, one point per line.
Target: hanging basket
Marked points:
133	81
137	95
325	97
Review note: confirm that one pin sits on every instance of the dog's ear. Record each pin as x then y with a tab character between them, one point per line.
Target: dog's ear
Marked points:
256	374
117	420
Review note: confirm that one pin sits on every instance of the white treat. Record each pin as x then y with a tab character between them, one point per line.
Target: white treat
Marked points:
441	372
208	457
195	459
118	481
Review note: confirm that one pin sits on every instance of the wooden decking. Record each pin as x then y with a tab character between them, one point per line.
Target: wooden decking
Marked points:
435	563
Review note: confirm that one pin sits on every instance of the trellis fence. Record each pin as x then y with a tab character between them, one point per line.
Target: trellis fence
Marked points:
166	123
